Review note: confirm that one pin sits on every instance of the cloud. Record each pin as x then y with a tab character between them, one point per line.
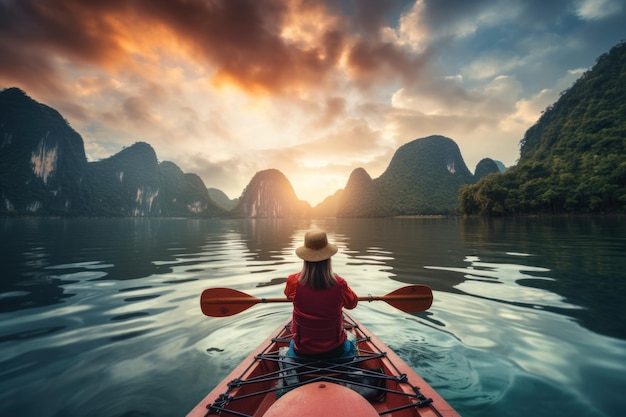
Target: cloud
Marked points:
465	114
229	176
226	88
38	35
598	9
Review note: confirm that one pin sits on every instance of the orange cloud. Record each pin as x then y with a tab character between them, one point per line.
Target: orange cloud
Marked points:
272	47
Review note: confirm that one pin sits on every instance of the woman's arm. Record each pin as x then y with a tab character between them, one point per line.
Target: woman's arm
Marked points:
349	298
290	286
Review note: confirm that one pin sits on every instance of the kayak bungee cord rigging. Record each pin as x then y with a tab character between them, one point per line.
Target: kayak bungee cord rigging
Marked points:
387	383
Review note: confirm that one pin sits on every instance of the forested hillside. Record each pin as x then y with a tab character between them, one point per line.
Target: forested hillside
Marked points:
573	160
361	198
424	177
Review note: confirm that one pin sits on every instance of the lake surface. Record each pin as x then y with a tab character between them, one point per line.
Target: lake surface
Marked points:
101	317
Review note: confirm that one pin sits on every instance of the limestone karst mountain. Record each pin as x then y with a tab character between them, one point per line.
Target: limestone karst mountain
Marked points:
44	171
270	195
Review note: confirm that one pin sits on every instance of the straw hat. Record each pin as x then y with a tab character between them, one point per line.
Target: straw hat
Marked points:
316	247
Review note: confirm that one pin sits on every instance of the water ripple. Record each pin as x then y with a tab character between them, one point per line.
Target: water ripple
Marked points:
101	316
504	282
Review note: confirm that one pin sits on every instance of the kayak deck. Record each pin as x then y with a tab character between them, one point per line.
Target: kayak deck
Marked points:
392	387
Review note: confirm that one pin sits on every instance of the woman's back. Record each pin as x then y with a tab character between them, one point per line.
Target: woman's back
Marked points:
318	297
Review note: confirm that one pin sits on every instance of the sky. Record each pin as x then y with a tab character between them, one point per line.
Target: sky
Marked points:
315	89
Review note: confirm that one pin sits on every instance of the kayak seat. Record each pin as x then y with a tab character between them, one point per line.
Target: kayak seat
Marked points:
299	370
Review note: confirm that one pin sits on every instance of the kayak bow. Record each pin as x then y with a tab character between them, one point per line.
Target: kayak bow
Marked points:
265	385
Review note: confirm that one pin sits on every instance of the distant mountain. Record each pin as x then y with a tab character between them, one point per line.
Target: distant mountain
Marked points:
485	167
361	197
42	159
573	160
44	171
501	166
221	199
423	177
270	195
329	206
185	194
126	184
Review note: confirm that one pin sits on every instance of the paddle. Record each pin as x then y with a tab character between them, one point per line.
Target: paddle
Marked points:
223	302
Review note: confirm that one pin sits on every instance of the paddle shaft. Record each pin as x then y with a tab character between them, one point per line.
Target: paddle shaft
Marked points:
262	300
406	297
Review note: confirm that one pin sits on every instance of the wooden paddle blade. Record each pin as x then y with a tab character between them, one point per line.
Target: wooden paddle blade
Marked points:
223	302
411	299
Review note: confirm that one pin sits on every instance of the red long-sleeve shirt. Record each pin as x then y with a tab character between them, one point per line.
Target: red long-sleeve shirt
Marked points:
317	322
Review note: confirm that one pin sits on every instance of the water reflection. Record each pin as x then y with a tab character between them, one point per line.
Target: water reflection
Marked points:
504	282
582	256
521	309
576	264
45	256
542	262
267	239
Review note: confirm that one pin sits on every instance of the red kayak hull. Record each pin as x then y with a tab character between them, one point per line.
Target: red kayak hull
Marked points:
405	393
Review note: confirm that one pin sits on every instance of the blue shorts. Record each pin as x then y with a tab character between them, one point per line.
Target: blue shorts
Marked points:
347	350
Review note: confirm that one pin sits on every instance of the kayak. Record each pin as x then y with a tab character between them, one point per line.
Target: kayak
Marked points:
376	382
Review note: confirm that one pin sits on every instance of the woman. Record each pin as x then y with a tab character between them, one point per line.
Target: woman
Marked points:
318	297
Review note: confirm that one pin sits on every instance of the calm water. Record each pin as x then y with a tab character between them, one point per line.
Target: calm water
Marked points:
101	317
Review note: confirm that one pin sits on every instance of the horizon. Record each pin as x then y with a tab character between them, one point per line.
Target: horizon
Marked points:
226	89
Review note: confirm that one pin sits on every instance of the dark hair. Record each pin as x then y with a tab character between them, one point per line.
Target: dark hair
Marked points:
317	275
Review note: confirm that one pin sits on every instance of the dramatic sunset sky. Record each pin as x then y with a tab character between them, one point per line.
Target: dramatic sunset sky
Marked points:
227	88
